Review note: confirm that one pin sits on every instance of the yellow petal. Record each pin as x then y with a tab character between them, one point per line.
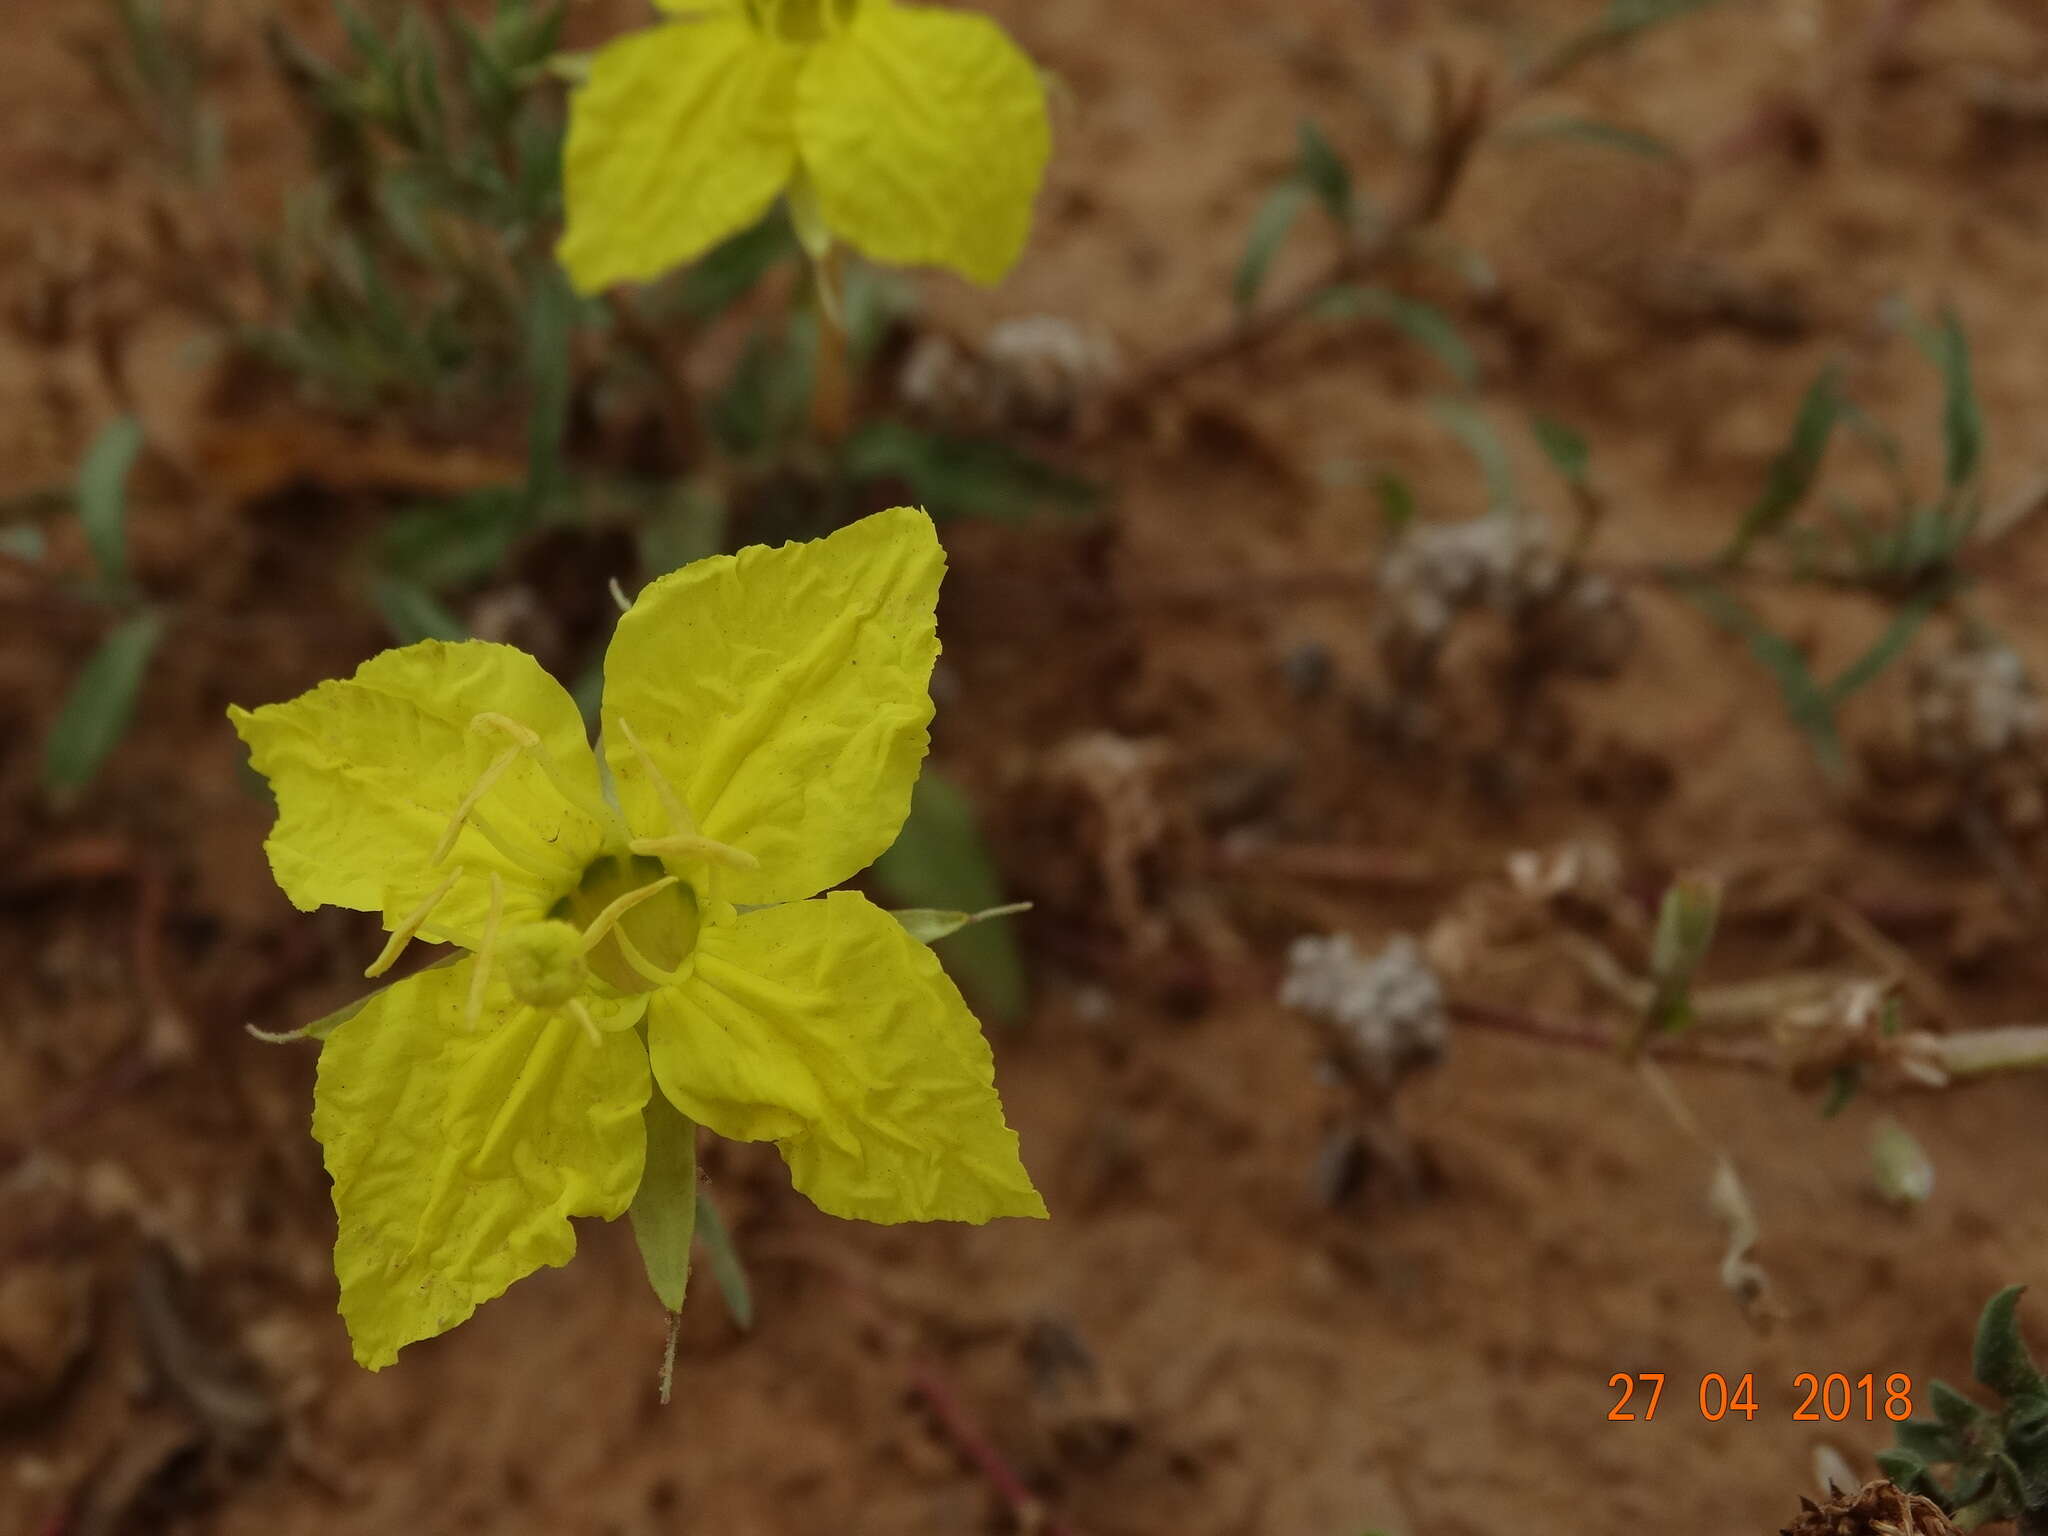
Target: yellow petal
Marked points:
824	1027
681	136
783	695
924	134
459	1156
369	772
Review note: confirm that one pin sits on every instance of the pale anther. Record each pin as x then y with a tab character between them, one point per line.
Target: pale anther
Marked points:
530	743
646	969
594	934
402	935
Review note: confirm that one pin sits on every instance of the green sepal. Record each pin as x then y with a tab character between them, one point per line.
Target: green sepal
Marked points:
664	1209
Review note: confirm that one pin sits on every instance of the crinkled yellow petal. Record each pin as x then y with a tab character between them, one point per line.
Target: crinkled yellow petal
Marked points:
924	134
783	694
681	136
459	1156
369	772
824	1027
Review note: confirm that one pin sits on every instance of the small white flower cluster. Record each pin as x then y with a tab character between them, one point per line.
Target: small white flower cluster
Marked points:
1440	570
1033	372
1388	1008
1975	703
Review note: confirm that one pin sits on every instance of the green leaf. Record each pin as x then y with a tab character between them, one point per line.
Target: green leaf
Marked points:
453	543
962	476
1632	16
1793	471
1932	1443
940	861
1897	635
727	272
103	495
1421	323
1590	130
1275	218
727	1272
664	1209
413	613
1843	1084
1952	1410
1472	428
1397	503
1806	701
1962	425
1325	174
1566	449
2000	1359
100	705
551	313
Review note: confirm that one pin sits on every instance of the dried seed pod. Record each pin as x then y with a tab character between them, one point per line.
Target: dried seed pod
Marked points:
1876	1509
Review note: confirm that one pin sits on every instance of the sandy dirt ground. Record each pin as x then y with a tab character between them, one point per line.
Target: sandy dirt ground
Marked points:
1200	1342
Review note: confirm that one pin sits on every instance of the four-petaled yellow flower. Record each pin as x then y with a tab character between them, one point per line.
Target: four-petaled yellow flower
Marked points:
918	136
650	918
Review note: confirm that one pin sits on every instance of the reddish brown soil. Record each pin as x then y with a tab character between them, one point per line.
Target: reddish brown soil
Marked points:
1432	1363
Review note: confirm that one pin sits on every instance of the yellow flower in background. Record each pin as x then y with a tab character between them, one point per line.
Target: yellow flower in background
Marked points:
649	921
917	136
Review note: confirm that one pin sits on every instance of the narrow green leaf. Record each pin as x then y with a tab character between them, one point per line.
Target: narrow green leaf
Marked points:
100	705
1952	1410
1897	635
727	1271
939	860
962	476
453	543
1793	471
1269	232
1397	504
1590	130
1631	16
1962	424
1566	449
1325	174
412	613
1424	324
664	1209
1472	428
103	495
1933	1443
550	323
1805	700
2000	1359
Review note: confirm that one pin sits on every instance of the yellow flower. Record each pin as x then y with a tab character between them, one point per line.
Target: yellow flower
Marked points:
916	135
645	920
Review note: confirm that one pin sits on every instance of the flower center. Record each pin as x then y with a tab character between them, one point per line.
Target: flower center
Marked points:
801	21
646	940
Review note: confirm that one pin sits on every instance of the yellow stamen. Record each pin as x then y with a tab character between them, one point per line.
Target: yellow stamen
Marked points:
582	1016
594	934
680	821
690	846
496	839
530	743
646	968
479	976
402	935
491	775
